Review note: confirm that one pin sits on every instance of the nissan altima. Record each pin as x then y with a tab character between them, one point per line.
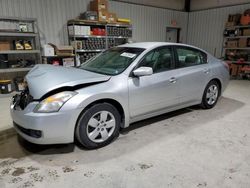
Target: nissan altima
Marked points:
119	86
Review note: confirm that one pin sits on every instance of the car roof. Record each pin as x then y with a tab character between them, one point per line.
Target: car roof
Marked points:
150	45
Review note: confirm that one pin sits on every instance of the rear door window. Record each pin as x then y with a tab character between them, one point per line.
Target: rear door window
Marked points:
187	57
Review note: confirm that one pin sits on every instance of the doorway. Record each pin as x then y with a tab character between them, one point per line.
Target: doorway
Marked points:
173	34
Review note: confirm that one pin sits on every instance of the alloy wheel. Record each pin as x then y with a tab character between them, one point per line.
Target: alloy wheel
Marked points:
212	94
101	126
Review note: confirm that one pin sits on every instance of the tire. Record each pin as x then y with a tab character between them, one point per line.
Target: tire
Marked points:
211	95
98	126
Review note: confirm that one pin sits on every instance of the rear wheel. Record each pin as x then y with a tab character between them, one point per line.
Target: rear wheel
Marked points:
98	126
211	95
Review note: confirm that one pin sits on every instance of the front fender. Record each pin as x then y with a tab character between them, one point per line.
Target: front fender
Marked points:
81	101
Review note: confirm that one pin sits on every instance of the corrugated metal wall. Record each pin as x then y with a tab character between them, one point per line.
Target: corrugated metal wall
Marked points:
148	23
52	15
205	28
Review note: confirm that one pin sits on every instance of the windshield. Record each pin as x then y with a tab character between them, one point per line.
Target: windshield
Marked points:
113	61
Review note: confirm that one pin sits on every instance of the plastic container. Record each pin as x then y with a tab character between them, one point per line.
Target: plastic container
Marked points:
19	84
5	86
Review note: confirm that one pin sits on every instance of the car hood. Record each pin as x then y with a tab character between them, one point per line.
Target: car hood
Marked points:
46	78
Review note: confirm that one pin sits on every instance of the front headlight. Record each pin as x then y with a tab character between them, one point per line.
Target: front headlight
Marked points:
54	102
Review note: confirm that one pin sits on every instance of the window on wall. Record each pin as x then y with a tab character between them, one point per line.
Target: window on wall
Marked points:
189	57
159	60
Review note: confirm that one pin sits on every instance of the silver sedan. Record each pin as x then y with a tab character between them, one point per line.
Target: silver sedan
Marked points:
120	86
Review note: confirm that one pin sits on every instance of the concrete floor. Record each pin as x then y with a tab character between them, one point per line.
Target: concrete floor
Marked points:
5	120
186	148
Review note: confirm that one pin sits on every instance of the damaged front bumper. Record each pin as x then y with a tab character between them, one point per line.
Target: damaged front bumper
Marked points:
44	128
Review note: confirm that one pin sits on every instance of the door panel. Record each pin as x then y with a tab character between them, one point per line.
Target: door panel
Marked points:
148	94
194	73
193	80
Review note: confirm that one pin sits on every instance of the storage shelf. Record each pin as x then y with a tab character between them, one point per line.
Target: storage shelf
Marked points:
118	37
107	39
87	36
15	70
88	22
118	25
84	22
237	37
237	48
97	36
236	62
17	34
20	52
62	56
98	50
238	26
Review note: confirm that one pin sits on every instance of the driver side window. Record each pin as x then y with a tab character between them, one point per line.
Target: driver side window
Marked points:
159	60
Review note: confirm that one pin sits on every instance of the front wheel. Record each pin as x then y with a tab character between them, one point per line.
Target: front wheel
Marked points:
98	126
211	95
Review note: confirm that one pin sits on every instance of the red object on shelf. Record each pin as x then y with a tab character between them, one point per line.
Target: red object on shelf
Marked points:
241	61
98	31
245	19
56	63
103	32
245	69
95	31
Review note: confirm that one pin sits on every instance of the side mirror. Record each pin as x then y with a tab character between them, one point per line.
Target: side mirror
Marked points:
143	71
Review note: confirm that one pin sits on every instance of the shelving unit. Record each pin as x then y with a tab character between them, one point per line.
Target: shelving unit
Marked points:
236	47
236	34
87	43
10	31
20	52
15	70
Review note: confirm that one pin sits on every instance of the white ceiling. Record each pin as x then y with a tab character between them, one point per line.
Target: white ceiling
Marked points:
179	4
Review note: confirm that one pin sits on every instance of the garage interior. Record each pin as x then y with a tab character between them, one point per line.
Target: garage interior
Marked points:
190	147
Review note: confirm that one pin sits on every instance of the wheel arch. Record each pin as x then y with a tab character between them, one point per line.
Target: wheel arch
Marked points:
219	83
113	102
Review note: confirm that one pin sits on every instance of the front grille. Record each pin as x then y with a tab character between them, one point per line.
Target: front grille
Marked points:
22	100
29	132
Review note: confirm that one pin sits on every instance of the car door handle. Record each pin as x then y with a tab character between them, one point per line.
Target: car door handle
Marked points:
207	71
172	80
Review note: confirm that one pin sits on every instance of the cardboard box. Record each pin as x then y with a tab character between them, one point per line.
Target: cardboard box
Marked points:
112	18
99	5
243	42
74	30
234	18
102	16
232	44
246	32
234	70
48	50
5	45
68	62
62	50
85	30
77	45
230	24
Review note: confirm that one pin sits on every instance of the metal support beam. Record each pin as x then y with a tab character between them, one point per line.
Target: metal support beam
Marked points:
187	5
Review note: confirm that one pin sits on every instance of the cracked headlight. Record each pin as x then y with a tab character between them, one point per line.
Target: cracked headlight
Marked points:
54	102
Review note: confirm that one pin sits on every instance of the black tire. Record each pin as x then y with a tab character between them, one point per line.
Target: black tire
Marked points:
82	125
205	104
